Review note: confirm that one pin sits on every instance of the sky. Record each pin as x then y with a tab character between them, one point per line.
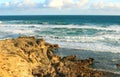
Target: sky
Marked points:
59	7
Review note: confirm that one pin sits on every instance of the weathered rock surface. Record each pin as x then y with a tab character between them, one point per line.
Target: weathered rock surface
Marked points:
118	65
31	57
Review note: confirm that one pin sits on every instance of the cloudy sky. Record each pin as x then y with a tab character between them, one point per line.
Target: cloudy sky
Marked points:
59	7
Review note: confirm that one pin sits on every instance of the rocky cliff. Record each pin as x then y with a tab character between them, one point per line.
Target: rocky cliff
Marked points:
31	57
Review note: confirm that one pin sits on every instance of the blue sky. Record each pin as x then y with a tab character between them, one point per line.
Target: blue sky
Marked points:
59	7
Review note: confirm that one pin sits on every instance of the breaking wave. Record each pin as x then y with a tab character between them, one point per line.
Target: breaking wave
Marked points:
85	37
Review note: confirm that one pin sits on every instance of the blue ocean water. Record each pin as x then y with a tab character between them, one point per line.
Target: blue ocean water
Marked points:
92	36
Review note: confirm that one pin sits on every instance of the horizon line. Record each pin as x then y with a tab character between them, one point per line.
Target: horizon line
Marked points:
59	15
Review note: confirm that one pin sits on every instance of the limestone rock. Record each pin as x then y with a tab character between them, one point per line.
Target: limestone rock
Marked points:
31	57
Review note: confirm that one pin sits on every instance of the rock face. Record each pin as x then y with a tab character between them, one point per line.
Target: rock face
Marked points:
31	57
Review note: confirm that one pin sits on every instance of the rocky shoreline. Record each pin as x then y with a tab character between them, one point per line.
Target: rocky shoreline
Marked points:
32	57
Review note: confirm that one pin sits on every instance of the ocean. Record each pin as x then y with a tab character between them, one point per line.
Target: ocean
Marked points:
95	37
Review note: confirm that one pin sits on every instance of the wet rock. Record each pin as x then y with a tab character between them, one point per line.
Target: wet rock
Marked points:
71	58
118	65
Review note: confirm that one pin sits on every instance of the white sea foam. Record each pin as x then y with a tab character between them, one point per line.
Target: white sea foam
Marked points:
0	22
16	25
97	42
22	31
106	37
34	27
97	47
100	43
110	27
83	39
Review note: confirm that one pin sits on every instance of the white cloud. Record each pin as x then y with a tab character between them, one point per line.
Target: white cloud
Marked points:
82	3
7	4
28	3
66	3
19	4
106	5
55	3
60	7
59	4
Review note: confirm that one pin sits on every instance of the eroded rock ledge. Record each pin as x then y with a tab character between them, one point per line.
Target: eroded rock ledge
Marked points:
31	57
